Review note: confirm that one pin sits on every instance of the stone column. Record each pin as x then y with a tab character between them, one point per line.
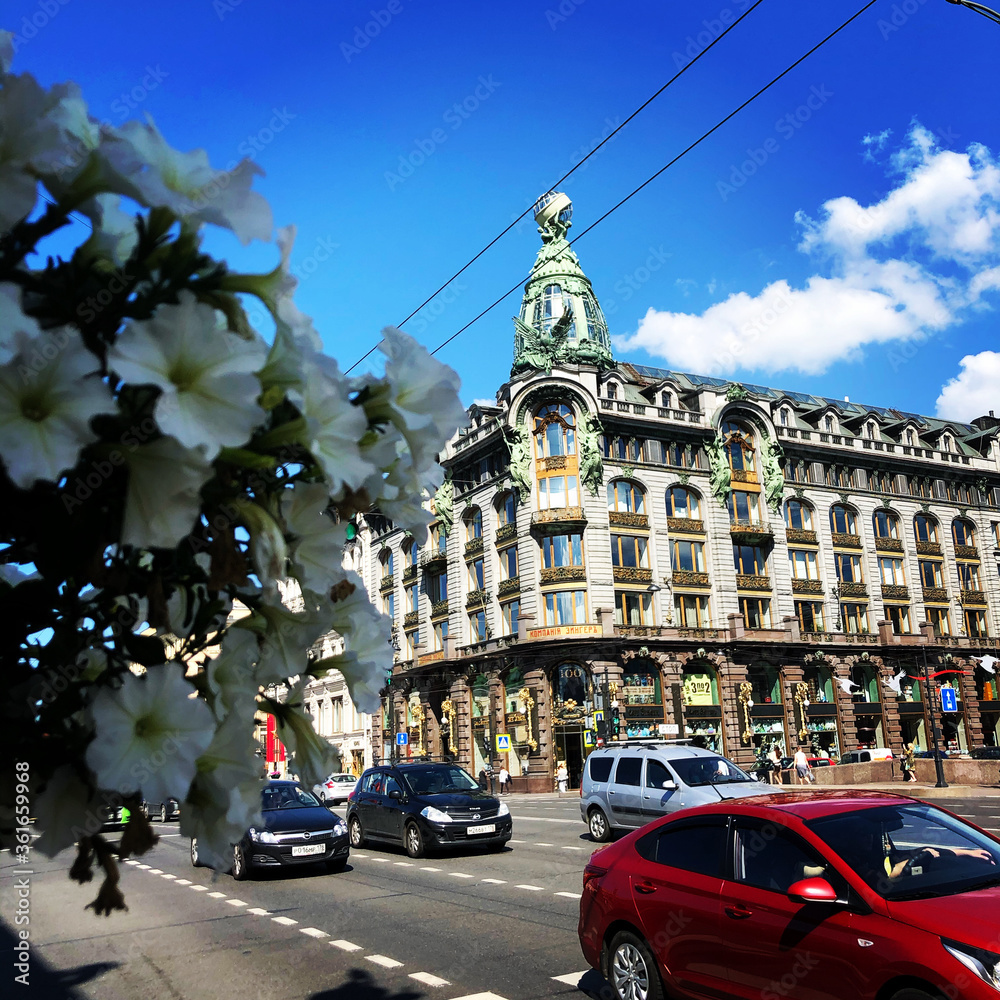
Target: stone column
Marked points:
460	694
791	676
542	775
845	709
731	675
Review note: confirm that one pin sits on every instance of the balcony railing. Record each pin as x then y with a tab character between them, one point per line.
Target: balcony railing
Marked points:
689	578
936	595
409	572
435	557
411	618
473	547
477	600
506	533
851	589
748	581
845	541
888	545
801	535
557	517
690	525
750	529
562	574
626	519
976	597
895	592
929	548
966	552
632	574
807	586
388	582
439	608
507	587
743	475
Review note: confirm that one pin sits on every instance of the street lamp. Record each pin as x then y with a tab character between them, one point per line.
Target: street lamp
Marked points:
979	9
929	701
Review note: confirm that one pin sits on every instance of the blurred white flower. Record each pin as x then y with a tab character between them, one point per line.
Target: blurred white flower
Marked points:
334	427
230	675
115	235
64	811
163	497
267	542
287	635
49	391
312	755
149	733
217	815
317	551
13	321
154	174
209	394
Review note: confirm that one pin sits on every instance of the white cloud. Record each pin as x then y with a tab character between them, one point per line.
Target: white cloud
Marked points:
901	269
974	391
875	142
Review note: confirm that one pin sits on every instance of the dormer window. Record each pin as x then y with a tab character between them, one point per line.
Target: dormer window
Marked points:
909	438
784	418
828	423
665	399
871	431
946	442
612	390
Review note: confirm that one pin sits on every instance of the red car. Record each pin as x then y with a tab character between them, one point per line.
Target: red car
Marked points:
853	895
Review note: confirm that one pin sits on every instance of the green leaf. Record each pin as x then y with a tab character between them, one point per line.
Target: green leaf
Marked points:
247	459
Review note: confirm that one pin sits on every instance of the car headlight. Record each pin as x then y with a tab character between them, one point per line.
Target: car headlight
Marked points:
435	815
985	964
262	836
339	828
503	810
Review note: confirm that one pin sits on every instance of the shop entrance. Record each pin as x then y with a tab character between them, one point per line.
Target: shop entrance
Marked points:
569	747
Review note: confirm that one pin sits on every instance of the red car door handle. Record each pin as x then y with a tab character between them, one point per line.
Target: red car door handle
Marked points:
738	912
645	887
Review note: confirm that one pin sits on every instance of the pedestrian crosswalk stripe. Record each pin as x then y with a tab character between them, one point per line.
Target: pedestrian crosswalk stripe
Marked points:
199	888
346	945
167	875
428	980
481	996
155	871
386	963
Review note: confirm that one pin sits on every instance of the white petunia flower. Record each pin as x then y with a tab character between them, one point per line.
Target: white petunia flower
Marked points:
205	374
218	815
115	235
312	756
317	551
64	811
163	497
287	635
230	675
334	428
149	733
13	321
267	542
154	174
49	391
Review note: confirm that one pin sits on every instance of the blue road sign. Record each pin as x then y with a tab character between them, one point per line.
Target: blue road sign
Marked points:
949	700
503	742
402	739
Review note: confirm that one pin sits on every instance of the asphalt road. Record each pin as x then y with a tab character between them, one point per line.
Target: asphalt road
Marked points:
470	926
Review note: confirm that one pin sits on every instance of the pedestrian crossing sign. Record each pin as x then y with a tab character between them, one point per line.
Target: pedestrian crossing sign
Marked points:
589	738
503	742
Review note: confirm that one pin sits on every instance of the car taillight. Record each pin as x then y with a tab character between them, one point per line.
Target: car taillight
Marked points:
590	872
350	798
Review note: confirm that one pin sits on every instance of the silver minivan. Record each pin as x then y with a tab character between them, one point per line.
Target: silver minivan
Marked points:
628	785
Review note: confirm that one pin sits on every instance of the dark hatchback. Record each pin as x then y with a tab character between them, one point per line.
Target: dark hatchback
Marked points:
425	806
296	830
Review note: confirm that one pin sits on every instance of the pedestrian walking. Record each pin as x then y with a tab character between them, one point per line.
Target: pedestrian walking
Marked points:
774	774
504	780
907	763
562	776
483	781
802	766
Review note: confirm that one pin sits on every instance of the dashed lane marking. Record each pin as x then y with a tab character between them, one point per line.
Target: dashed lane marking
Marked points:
494	881
359	855
428	980
428	869
481	996
568	895
460	875
512	841
530	888
144	868
540	844
216	895
346	945
167	875
236	902
258	911
285	921
313	932
404	864
386	963
572	978
131	862
183	881
199	888
572	848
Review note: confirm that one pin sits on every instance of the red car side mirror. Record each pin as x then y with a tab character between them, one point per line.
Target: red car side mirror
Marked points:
812	890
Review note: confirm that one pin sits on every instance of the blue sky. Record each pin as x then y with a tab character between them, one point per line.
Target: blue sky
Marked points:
401	141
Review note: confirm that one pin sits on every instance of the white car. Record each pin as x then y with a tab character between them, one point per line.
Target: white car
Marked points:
335	789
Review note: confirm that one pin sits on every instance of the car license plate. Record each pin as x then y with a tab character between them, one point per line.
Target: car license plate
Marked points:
486	828
300	850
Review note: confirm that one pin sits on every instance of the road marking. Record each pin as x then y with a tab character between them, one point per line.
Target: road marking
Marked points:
313	932
258	911
548	819
356	855
428	980
155	871
494	881
481	996
199	888
460	875
168	835
216	895
572	978
568	895
427	869
531	888
572	848
403	864
144	868
167	875
183	881
285	921
540	844
381	861
346	945
512	841
131	862
386	963
236	902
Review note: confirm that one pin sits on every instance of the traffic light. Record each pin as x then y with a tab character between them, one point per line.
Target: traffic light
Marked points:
352	529
602	728
616	720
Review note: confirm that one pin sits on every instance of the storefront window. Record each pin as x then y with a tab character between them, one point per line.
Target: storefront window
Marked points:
640	699
481	729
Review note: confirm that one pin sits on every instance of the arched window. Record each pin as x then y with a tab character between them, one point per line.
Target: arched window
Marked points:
506	510
870	430
738	443
553	305
784	417
387	561
798	515
572	683
473	520
665	399
765	682
864	674
946	442
555	431
682	502
612	390
909	437
925	528
410	551
597	328
963	532
624	495
886	524
828	424
843	520
438	539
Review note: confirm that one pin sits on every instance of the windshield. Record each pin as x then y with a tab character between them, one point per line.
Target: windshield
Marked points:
343	778
433	780
912	851
287	797
696	771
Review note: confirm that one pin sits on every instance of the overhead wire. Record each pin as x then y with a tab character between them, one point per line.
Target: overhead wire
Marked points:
568	173
666	166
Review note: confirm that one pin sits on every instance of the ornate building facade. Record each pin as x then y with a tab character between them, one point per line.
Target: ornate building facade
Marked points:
694	557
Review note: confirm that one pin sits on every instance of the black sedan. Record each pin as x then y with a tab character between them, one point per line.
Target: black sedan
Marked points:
296	830
425	806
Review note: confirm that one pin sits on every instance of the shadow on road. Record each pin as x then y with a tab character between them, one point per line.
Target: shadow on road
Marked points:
360	985
46	983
